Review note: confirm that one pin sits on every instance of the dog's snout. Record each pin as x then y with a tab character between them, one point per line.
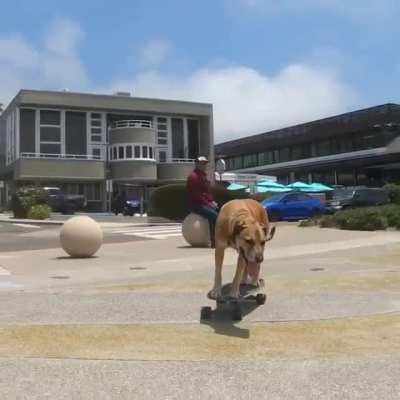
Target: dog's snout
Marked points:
259	258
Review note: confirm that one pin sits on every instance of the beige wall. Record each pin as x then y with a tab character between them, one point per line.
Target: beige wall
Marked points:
173	171
134	170
62	169
133	135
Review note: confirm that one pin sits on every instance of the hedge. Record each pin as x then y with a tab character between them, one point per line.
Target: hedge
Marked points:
39	211
170	201
393	192
24	199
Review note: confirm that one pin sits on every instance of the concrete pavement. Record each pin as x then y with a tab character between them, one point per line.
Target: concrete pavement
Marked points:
126	324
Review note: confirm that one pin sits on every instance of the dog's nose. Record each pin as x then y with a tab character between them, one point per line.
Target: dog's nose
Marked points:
259	259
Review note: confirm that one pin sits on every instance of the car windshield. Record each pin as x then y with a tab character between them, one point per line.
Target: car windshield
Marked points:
340	194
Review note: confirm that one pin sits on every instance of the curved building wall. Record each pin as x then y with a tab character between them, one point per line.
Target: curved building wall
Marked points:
132	135
142	170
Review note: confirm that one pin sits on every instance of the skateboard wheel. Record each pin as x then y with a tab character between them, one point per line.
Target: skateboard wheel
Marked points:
237	314
206	313
261	298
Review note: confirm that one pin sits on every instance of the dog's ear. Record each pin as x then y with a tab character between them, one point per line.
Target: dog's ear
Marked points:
238	227
264	229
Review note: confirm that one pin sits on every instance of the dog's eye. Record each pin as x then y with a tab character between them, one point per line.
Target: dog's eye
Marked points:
250	241
262	242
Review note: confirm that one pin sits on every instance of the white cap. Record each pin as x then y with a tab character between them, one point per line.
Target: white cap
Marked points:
201	159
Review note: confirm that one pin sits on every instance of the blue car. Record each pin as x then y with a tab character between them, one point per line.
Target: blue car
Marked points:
292	206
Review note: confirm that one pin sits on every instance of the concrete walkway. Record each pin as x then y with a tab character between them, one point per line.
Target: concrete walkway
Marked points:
125	324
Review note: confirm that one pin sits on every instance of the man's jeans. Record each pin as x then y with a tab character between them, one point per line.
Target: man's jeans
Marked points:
211	215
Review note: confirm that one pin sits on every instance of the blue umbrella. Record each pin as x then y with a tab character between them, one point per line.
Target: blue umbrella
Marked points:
236	186
271	184
319	187
300	186
263	189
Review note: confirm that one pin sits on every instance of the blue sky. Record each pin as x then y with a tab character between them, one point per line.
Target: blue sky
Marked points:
262	63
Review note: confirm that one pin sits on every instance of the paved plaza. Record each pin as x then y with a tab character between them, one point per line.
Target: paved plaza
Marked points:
126	323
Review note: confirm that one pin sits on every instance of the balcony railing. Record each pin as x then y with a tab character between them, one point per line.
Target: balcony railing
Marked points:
61	156
133	124
181	160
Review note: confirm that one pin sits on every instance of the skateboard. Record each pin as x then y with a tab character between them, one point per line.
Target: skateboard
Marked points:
247	293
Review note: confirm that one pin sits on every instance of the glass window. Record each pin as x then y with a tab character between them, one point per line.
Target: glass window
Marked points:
96	138
128	151
276	156
284	154
96	131
96	152
95	115
27	131
323	148
96	122
266	157
162	119
346	177
162	156
137	151
47	148
344	144
110	154
162	141
50	117
237	162
48	134
144	149
177	138
150	152
75	132
114	153
250	160
120	152
162	134
301	151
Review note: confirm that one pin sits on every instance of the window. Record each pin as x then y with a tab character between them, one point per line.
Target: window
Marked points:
237	162
96	127
50	132
27	131
144	150
150	152
177	138
96	122
137	151
301	151
114	153
323	148
120	152
162	130
96	131
284	154
249	160
75	132
265	158
95	115
96	138
96	152
162	156
128	151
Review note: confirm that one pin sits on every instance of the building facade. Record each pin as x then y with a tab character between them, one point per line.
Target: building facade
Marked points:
88	143
356	148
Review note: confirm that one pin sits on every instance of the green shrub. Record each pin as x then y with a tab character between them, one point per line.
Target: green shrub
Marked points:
360	219
328	221
392	214
305	223
24	199
39	211
170	201
393	192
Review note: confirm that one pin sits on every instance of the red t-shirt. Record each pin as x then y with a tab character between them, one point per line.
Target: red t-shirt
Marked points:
198	188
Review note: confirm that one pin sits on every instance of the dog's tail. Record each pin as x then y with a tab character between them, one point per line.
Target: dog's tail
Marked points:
271	233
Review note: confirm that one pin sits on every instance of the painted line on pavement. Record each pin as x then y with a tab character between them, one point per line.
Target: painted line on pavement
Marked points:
27	226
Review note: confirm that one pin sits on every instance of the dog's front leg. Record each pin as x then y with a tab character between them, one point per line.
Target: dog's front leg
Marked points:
240	270
219	260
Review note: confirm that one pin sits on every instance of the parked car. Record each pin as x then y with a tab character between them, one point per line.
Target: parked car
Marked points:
131	207
356	197
293	206
62	202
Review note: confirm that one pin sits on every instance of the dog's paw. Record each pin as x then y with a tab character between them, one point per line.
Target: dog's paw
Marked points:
214	293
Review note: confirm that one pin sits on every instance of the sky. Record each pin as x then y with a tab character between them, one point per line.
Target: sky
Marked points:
263	64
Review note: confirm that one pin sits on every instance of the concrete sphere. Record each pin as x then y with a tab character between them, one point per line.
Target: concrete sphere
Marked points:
81	237
196	231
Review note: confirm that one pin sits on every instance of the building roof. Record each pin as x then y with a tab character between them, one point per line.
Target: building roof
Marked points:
339	124
114	102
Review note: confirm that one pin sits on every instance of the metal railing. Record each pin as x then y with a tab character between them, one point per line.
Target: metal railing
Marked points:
132	124
181	160
61	156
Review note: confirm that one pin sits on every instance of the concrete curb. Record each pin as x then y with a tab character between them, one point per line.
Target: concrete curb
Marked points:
31	221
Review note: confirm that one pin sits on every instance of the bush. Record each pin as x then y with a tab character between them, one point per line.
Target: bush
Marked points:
393	192
392	214
360	219
305	223
170	201
24	199
39	211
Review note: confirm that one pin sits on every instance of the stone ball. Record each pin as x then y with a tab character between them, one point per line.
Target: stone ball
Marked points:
196	231
81	237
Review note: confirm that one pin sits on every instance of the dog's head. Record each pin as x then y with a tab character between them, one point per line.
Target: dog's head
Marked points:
249	237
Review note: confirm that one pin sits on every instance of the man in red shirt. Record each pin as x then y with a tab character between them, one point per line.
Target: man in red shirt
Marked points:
199	195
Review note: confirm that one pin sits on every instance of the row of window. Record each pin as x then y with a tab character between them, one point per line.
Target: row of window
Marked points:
337	145
131	152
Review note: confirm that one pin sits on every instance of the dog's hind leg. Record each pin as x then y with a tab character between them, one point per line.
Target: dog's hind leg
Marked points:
219	260
240	270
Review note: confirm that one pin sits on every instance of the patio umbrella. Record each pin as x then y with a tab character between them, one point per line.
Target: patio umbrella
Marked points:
319	187
236	186
263	189
300	186
270	184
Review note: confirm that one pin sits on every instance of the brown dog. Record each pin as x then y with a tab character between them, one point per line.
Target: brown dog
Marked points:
242	225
